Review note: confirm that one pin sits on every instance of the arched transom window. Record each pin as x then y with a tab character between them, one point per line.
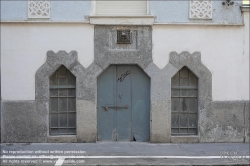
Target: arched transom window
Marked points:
62	114
184	103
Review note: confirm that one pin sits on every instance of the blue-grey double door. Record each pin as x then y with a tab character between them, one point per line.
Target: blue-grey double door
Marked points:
123	98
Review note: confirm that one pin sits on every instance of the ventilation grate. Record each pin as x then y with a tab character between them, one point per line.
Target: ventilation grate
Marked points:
123	37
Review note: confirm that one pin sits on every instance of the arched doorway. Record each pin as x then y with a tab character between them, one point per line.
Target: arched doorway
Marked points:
123	100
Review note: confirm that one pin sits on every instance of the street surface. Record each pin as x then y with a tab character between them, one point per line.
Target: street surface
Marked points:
124	153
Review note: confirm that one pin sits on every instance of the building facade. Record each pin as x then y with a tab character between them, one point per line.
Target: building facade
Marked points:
158	71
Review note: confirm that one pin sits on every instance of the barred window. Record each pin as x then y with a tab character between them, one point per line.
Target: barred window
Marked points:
62	102
184	103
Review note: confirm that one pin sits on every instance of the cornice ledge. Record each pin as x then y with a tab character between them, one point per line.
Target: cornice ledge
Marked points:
122	20
245	8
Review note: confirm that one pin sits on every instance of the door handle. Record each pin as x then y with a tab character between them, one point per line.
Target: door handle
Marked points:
126	107
106	108
114	106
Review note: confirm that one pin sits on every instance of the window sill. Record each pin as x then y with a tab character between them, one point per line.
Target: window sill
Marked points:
245	8
121	20
61	139
185	139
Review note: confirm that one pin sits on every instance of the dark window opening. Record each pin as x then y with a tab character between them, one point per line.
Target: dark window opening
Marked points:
62	116
184	103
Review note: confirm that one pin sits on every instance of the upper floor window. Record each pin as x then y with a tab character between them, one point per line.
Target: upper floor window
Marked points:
246	3
121	8
184	99
62	102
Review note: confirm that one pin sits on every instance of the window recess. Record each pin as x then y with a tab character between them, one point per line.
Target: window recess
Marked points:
184	103
62	116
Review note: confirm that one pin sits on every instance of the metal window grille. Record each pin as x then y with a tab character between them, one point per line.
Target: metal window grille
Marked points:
62	102
184	103
123	37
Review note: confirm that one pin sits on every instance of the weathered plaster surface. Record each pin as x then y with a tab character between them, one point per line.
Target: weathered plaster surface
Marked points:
24	121
160	101
223	122
87	81
185	139
160	121
61	139
106	54
247	121
86	121
0	120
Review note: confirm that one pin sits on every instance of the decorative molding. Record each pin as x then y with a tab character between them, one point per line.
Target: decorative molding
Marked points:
193	63
38	9
122	20
200	9
139	52
42	21
85	97
245	8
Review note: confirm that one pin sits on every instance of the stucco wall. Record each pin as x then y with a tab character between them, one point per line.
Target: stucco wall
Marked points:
24	48
222	49
60	10
14	10
164	11
70	10
246	38
178	12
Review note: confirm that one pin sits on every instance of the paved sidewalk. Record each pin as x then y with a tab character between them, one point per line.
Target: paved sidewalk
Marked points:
124	153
